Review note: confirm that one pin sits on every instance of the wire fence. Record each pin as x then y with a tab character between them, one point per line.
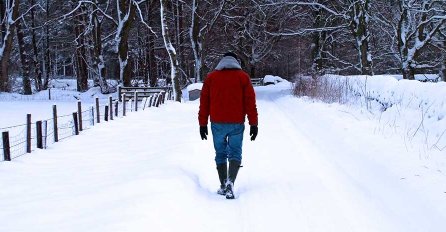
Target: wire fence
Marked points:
23	139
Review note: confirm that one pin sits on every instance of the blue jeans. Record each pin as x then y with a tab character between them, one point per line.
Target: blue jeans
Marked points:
228	140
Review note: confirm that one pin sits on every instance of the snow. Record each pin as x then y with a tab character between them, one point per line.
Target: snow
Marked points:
195	86
415	109
314	167
272	79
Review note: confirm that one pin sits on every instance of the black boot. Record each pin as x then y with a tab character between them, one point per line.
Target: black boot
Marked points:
234	166
223	175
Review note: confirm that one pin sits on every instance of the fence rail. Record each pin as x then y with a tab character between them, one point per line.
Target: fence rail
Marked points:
23	139
257	81
140	93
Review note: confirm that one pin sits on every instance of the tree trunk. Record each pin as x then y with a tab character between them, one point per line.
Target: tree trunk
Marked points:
171	51
252	71
319	38
196	43
81	63
37	67
47	51
402	42
9	15
98	59
180	40
443	69
409	73
150	50
126	14
359	27
152	71
24	58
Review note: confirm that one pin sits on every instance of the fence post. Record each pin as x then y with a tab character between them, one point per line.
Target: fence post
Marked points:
98	111
39	134
6	148
44	133
49	93
116	109
136	100
28	133
92	116
150	101
76	128
123	106
154	99
79	114
145	102
119	94
56	131
158	99
110	103
106	114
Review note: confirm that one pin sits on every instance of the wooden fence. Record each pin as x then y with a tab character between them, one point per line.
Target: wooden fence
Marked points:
257	81
127	93
22	139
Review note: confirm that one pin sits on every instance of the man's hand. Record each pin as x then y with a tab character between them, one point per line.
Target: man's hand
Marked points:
253	132
204	132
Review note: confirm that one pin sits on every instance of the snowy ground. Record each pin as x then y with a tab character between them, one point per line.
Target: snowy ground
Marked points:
314	167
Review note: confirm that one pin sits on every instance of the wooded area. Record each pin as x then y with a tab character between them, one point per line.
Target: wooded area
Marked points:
140	42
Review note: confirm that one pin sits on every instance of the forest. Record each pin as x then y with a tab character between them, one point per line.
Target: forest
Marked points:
159	42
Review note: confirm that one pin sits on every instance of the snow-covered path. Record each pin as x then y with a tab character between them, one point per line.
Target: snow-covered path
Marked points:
313	167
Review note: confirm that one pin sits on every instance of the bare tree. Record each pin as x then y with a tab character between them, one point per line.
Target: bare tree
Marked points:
126	15
80	55
24	58
359	25
98	58
443	66
418	22
150	49
171	51
204	17
9	10
35	57
319	38
46	48
248	26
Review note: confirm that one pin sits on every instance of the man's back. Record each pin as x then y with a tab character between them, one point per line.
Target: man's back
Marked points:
226	93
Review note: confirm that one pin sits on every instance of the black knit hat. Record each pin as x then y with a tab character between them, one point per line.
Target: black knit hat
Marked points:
231	54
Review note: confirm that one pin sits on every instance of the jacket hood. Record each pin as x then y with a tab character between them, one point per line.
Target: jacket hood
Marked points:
228	62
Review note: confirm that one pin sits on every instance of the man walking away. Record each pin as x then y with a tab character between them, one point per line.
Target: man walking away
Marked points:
227	97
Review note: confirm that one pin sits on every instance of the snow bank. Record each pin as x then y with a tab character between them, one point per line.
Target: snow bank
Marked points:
14	107
416	109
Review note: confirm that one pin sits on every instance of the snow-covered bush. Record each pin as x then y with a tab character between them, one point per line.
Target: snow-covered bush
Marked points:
322	88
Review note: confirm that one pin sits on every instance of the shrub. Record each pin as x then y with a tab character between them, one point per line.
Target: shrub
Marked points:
323	88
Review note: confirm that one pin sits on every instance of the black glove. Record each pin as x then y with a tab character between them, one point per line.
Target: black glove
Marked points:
204	132
253	132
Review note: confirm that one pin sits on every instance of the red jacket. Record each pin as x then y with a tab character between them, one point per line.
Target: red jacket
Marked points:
227	96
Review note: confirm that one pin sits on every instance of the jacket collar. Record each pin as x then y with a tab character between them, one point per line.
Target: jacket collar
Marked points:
228	62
